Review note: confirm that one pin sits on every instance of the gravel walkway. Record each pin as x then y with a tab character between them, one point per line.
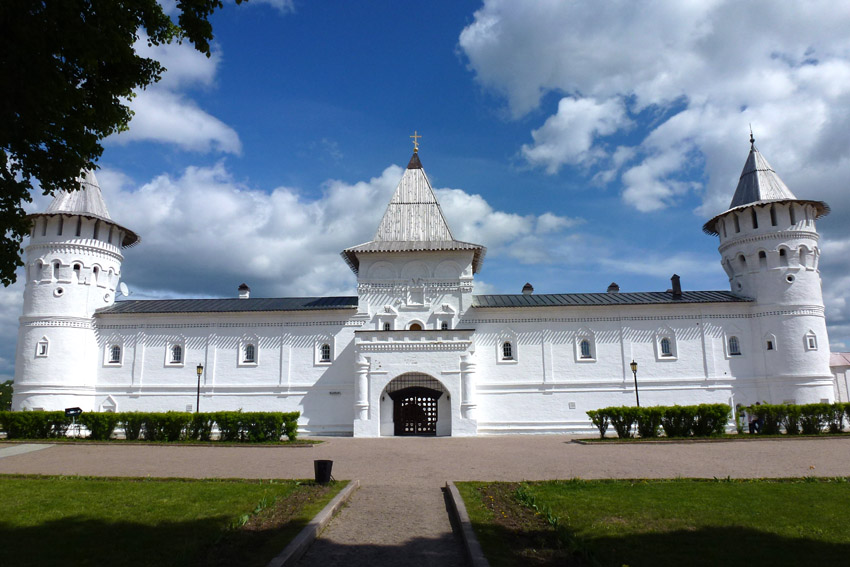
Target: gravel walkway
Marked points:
398	517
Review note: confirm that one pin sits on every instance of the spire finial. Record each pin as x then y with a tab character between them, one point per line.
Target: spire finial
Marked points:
415	137
752	139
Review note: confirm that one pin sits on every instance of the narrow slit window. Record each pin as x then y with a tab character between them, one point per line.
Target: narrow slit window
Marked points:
773	215
507	351
783	257
96	229
755	218
792	210
44	227
737	223
79	226
769	345
109	236
326	352
762	259
56	270
61	225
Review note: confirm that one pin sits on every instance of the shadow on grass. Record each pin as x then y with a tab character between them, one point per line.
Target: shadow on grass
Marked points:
727	546
78	541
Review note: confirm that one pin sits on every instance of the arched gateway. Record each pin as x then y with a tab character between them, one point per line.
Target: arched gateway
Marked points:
416	404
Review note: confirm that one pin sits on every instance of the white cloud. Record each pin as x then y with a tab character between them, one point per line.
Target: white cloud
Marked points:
567	137
700	72
164	113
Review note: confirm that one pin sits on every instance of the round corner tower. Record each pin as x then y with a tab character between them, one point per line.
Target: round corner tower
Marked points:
769	250
72	269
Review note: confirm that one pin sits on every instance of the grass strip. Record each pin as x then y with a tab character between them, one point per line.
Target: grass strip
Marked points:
50	520
662	522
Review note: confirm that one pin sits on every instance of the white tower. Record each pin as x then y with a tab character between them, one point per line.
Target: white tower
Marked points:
73	264
769	250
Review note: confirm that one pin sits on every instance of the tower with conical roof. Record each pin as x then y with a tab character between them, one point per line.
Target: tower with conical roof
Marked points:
73	266
769	250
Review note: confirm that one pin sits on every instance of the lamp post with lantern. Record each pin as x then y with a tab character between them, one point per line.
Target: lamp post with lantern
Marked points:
633	366
200	371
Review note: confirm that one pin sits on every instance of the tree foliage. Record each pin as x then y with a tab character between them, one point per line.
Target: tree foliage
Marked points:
67	68
6	395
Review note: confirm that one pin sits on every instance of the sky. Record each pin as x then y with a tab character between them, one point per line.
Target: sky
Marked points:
583	143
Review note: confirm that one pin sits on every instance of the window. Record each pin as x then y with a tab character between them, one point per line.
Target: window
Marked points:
773	215
388	327
250	353
56	269
793	212
96	229
176	354
755	218
737	223
415	327
769	345
61	225
585	348
444	326
79	226
811	341
77	269
44	227
734	346
41	348
507	351
762	259
109	236
114	354
325	353
665	347
783	257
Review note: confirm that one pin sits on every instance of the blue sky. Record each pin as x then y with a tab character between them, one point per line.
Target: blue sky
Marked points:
582	143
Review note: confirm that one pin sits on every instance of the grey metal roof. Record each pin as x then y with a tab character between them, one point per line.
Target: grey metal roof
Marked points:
87	202
592	299
231	305
759	184
413	221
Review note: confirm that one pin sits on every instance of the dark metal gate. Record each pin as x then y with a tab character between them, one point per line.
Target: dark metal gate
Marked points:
415	399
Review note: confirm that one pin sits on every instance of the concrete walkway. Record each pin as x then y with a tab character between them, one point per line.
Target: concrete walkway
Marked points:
12	450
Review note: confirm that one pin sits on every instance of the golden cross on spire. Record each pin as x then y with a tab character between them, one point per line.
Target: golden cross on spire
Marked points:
415	137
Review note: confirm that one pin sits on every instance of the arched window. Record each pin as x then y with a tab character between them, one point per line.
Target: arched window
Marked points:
61	225
77	269
176	354
792	210
444	326
95	271
734	346
114	354
665	347
773	215
783	257
56	269
507	351
762	259
250	353
415	327
388	327
585	348
326	352
755	218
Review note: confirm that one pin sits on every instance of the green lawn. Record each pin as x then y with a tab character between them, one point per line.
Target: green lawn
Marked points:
162	522
663	522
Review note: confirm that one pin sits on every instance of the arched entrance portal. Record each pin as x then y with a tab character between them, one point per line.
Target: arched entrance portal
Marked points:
416	404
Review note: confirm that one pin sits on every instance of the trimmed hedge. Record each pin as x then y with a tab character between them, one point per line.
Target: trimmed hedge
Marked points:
704	420
254	427
810	419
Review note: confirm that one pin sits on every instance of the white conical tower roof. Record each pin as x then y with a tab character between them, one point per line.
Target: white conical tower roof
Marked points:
413	221
760	185
87	202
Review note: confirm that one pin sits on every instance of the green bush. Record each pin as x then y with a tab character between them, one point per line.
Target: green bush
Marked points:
679	421
290	424
711	420
771	416
600	419
836	417
740	418
649	421
201	427
229	425
262	426
814	417
131	423
34	424
100	425
622	420
791	419
168	426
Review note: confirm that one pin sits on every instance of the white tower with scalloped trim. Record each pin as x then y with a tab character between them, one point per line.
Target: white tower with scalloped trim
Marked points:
73	265
769	249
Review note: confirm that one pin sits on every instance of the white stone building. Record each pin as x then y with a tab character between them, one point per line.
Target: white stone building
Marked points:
415	352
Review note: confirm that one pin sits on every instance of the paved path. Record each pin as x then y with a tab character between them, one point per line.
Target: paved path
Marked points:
398	516
12	450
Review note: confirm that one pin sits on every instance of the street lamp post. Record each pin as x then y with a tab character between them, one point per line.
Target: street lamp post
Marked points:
634	372
200	371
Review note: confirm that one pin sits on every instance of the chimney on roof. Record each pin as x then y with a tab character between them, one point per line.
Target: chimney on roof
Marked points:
527	289
244	291
677	287
613	288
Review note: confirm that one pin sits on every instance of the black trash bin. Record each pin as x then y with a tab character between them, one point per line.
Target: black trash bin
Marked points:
323	471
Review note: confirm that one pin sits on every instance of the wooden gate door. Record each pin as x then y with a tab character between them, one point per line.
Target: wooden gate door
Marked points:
415	411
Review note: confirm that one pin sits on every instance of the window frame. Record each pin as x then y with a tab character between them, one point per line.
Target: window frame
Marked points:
169	353
581	336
